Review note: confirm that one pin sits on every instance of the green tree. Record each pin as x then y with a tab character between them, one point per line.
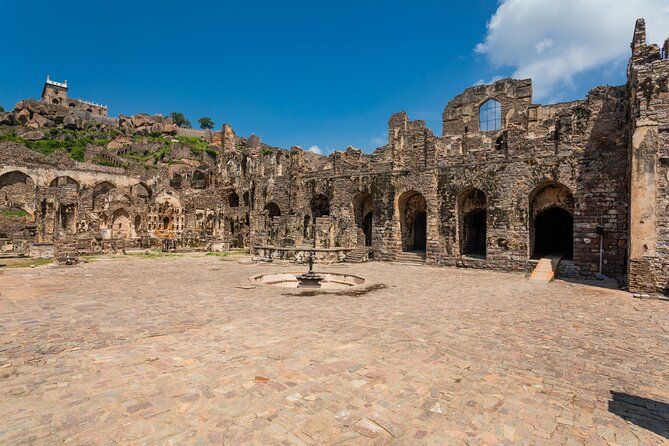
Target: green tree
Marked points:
179	119
206	123
2	109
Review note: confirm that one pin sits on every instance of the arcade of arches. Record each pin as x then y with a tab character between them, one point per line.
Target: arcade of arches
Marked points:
502	185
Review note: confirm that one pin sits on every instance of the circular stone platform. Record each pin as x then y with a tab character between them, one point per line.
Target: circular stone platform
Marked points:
331	281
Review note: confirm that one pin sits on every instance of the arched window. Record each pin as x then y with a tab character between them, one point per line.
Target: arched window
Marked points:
233	200
490	116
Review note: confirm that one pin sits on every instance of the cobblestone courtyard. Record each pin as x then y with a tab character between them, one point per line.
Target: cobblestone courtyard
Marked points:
177	351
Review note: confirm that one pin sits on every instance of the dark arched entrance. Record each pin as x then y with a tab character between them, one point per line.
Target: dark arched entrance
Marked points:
474	233
272	210
420	231
551	221
553	233
472	218
367	228
413	221
363	211
320	206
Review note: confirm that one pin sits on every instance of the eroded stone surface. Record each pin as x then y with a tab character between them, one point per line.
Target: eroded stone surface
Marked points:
440	356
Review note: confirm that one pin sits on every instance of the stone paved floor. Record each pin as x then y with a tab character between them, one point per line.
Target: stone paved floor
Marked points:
170	351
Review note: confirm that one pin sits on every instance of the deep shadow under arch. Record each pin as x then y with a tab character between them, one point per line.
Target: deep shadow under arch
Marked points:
551	221
413	221
363	211
472	217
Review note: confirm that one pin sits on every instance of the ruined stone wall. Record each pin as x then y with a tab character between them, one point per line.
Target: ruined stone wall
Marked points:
594	171
580	145
648	77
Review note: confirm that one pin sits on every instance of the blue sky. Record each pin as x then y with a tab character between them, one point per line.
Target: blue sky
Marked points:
295	72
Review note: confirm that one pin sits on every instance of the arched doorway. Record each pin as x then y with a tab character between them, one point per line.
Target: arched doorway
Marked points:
141	191
272	210
121	224
413	221
233	200
320	206
472	218
363	211
17	189
551	221
100	192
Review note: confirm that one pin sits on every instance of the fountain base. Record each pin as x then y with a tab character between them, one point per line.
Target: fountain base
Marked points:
309	280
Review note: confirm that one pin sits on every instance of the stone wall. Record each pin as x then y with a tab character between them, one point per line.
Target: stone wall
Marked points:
648	77
586	179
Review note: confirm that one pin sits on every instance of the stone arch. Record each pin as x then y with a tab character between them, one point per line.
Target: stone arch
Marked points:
413	221
551	220
320	206
100	190
272	210
363	212
472	222
141	190
17	190
121	227
65	182
233	199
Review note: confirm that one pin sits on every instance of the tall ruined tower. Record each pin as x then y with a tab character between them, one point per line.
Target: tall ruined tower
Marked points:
648	82
54	92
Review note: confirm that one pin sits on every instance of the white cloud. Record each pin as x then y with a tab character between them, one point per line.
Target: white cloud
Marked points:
315	149
551	41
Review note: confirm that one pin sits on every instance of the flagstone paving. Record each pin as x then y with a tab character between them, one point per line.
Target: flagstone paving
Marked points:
171	351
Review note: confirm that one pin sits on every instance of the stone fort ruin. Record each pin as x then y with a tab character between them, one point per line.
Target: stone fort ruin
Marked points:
507	183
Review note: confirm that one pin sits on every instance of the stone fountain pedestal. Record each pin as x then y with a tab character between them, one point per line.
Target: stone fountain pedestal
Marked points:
310	279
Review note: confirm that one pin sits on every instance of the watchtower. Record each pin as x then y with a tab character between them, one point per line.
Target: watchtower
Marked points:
54	92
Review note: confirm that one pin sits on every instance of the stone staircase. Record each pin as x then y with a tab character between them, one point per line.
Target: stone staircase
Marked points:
546	269
358	255
411	258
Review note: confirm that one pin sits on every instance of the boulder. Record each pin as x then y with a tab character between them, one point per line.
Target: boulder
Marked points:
143	130
140	120
34	135
7	118
38	122
170	128
22	116
72	123
157	127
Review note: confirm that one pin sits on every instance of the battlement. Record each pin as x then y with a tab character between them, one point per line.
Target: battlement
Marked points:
54	83
55	93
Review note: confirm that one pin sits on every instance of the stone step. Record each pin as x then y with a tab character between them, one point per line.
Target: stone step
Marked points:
357	255
410	258
546	269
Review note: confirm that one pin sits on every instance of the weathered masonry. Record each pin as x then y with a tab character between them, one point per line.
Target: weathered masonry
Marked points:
508	182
